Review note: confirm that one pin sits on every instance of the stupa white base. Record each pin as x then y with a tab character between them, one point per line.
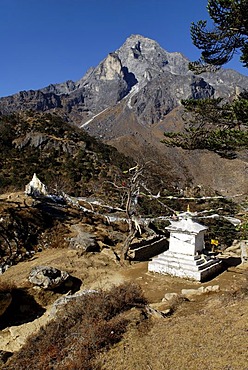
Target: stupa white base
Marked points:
196	267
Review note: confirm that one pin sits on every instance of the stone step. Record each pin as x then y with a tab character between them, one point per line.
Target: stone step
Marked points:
174	261
185	271
189	257
180	266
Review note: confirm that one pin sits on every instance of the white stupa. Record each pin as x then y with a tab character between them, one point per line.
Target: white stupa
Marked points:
185	257
35	187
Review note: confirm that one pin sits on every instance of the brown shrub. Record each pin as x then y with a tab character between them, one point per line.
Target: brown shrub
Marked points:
55	237
85	326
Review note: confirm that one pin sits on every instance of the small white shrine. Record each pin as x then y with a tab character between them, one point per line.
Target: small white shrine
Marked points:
185	257
35	187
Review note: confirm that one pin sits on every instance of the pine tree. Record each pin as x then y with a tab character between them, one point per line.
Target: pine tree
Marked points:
229	35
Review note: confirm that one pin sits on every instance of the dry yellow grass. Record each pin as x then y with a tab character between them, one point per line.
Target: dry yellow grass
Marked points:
214	338
209	333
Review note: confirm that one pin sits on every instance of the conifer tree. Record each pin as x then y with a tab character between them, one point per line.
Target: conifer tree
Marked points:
228	36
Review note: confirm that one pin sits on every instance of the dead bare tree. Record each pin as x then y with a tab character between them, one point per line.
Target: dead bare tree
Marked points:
132	189
132	192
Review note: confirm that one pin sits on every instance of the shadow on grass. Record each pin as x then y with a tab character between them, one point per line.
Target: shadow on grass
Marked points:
23	309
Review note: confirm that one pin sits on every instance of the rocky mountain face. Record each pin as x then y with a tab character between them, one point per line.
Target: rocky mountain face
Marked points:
131	98
152	80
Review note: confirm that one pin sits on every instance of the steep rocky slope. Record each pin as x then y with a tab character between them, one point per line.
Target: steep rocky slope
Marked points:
131	98
141	67
64	156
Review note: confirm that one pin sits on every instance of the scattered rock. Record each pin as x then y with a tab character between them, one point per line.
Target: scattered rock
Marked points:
158	314
169	297
202	290
47	277
190	292
210	288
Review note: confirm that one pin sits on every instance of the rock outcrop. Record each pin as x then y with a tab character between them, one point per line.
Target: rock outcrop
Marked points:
153	80
83	241
47	277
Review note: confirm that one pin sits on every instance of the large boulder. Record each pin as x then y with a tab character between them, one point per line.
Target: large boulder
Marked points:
47	277
83	240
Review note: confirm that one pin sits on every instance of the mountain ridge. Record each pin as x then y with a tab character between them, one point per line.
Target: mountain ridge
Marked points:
137	62
131	97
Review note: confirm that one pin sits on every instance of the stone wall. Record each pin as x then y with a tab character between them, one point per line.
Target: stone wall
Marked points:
149	248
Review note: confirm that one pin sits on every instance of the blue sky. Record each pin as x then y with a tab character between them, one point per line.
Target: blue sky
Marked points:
51	41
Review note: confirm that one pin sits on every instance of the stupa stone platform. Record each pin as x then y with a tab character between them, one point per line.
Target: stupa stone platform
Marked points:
185	257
